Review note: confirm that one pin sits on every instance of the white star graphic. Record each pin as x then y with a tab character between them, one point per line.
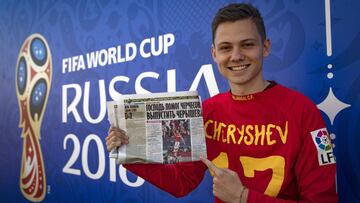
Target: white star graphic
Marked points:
331	106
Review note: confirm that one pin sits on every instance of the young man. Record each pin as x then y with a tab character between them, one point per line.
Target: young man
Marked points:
266	143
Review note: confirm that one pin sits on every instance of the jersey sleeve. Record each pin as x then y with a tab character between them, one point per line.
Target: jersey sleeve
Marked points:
176	179
315	167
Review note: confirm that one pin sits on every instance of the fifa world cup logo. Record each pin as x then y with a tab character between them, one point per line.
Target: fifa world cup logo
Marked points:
33	80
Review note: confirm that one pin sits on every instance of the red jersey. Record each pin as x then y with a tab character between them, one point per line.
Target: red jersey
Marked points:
177	136
275	140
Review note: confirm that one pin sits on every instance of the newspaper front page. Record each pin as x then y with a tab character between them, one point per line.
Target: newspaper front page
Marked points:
162	127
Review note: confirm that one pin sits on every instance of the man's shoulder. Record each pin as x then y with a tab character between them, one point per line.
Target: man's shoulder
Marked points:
214	103
216	98
289	94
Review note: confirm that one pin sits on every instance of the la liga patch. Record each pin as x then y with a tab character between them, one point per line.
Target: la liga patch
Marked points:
323	145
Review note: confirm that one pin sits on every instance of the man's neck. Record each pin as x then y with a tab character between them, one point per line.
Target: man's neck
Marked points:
246	89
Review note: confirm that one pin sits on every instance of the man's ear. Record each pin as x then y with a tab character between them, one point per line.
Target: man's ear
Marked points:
213	52
267	45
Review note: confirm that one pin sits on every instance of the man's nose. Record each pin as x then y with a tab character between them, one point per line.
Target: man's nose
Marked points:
237	55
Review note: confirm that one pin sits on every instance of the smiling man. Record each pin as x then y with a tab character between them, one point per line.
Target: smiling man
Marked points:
238	49
265	142
262	134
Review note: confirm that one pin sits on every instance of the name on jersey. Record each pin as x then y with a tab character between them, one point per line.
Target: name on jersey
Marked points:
248	134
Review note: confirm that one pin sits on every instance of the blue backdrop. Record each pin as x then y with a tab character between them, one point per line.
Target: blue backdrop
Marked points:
154	46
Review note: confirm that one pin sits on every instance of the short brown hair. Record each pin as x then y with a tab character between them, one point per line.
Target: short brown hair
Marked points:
239	11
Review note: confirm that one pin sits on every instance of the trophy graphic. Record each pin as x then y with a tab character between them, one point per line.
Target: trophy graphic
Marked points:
33	80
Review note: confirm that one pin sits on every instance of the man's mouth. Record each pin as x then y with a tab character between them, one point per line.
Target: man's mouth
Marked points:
239	68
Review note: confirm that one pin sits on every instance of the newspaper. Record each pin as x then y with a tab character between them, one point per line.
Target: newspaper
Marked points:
162	127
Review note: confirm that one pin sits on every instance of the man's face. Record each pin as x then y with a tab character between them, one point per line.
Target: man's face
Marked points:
238	50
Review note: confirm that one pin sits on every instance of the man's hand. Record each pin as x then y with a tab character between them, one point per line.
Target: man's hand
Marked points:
226	183
116	137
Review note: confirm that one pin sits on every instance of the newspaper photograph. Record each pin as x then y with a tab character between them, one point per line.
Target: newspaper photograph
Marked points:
162	127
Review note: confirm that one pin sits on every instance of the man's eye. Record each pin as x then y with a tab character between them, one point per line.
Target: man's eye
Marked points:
224	48
248	44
